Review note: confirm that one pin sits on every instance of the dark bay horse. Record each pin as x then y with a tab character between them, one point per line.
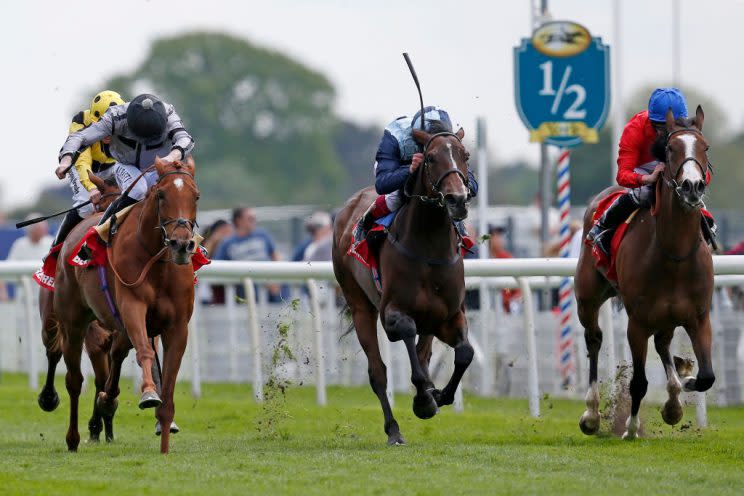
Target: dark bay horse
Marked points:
151	278
96	339
423	285
665	279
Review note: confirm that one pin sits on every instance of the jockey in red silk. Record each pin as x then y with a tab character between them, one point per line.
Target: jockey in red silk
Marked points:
398	156
639	166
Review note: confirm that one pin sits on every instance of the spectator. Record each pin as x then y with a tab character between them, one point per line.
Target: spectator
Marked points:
318	246
214	235
35	244
472	296
249	243
496	245
575	229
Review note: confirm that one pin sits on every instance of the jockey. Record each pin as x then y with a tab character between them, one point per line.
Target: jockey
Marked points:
398	156
94	158
639	167
139	131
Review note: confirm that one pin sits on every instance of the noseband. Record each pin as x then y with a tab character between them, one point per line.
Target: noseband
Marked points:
671	181
189	224
435	185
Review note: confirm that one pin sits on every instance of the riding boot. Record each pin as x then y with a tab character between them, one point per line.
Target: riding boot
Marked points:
119	204
601	233
70	220
376	210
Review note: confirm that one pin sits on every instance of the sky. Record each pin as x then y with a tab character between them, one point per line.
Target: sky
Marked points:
57	54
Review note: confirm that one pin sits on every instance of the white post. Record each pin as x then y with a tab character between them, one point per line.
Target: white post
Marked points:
608	334
194	349
618	119
486	382
701	409
458	405
387	356
250	301
320	379
33	366
533	386
232	331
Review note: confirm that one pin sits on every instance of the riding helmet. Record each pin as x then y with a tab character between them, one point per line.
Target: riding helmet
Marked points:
102	101
433	116
662	99
146	117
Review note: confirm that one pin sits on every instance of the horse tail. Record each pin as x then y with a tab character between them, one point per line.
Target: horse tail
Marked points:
345	314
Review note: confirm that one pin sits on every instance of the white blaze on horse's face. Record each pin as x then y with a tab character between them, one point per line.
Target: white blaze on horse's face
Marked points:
462	189
178	183
690	170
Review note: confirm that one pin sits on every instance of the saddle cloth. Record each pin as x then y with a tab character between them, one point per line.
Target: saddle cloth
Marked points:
602	262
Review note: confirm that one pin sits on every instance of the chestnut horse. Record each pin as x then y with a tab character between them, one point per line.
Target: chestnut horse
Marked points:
664	277
423	284
96	339
153	293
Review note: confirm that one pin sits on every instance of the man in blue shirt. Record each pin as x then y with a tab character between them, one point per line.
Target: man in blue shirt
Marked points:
249	243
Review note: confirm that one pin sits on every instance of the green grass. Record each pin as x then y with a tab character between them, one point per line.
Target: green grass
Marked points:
494	447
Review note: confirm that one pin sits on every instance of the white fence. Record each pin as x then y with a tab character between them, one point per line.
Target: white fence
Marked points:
322	326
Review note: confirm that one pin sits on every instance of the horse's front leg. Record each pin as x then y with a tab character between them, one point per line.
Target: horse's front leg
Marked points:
48	397
638	341
456	335
133	313
401	327
701	337
174	345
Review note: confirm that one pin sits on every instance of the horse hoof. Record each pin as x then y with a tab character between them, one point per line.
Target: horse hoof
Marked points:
93	439
105	407
150	399
173	428
627	436
672	412
396	440
49	402
424	406
589	424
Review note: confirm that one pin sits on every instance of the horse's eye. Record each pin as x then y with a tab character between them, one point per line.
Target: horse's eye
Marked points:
161	196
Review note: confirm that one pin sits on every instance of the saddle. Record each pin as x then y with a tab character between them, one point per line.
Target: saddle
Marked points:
604	263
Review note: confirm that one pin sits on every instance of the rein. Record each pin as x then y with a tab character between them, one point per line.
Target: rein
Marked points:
180	222
671	181
439	199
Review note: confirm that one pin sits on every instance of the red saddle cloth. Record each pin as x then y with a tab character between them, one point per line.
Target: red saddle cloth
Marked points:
99	255
601	261
44	277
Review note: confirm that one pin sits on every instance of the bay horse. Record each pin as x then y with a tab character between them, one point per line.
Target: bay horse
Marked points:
96	339
154	295
664	278
423	285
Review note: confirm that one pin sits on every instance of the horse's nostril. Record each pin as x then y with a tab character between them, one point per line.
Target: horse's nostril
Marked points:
191	245
687	186
700	187
173	243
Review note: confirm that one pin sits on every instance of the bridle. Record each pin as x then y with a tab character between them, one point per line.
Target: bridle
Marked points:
671	180
437	200
189	224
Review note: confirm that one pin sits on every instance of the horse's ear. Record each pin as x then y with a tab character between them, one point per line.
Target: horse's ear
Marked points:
159	166
699	118
96	180
189	165
460	134
421	137
670	124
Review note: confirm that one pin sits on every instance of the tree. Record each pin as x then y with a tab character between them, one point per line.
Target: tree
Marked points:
263	123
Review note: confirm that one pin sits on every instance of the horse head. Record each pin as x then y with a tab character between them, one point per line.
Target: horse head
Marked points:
445	170
686	154
175	195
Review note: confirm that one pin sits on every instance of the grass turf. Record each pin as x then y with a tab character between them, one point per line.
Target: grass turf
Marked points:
231	445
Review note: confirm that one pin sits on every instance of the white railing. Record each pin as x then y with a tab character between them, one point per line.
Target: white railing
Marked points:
526	274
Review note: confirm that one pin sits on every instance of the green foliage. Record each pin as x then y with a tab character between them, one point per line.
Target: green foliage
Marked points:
263	123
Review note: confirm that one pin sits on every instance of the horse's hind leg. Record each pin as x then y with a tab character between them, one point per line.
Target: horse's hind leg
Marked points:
106	401
50	336
97	344
588	310
672	411
365	322
638	341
